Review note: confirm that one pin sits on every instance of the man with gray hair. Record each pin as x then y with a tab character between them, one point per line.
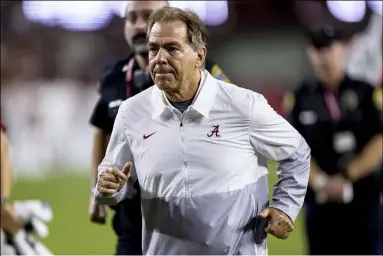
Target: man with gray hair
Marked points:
126	78
199	148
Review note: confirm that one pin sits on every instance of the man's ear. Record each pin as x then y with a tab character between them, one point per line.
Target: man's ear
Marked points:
201	56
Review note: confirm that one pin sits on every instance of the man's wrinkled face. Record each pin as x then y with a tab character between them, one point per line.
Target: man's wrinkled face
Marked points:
136	23
328	62
172	60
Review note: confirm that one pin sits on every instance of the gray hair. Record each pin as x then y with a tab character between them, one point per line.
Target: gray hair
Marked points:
196	30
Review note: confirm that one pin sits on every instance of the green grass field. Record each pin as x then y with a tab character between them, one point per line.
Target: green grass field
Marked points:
72	233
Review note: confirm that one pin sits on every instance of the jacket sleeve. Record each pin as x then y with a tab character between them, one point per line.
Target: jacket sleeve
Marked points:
273	137
117	154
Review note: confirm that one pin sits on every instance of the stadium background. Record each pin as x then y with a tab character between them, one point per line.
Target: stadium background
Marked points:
53	52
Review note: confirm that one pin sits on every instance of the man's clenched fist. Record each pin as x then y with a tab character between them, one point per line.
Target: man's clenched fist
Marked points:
280	225
110	181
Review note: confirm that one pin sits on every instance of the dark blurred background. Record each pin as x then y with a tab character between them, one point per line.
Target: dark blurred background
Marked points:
53	54
264	38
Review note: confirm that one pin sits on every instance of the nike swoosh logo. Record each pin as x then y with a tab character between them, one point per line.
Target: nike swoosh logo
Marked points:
147	136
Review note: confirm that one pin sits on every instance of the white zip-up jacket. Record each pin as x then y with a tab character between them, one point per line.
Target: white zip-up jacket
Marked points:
203	173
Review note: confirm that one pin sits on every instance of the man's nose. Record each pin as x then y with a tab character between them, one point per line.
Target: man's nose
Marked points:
141	24
161	57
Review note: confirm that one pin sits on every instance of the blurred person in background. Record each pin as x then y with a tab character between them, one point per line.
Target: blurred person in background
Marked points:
10	222
365	54
341	120
23	223
126	78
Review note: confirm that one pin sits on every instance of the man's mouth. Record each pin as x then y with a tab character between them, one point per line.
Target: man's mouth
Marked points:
162	72
139	39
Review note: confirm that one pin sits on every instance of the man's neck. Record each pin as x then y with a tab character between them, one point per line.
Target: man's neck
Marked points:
334	82
187	90
142	61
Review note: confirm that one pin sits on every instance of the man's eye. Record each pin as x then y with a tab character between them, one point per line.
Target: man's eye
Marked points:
131	17
152	49
172	49
146	15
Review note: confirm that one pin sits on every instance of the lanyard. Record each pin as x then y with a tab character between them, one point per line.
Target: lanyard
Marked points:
332	105
129	78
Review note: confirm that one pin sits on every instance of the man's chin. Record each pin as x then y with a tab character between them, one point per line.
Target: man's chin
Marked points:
164	85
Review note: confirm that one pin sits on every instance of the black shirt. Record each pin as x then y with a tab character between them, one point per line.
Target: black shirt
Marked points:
334	143
113	90
183	105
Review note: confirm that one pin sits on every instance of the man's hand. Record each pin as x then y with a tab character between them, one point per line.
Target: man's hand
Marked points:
280	225
97	213
334	188
111	180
